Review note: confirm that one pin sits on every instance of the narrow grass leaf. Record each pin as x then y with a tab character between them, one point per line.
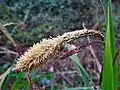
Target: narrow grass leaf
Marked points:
4	30
3	77
80	88
80	68
110	72
17	82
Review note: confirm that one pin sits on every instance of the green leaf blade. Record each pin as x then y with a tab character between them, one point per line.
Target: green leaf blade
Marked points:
110	71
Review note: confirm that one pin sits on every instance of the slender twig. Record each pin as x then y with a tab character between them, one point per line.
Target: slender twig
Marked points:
66	79
99	67
77	49
7	51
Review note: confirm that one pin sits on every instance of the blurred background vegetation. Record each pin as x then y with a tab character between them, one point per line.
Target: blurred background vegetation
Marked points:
44	18
37	19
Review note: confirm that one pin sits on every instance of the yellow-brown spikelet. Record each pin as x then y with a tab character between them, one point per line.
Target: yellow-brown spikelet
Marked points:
41	53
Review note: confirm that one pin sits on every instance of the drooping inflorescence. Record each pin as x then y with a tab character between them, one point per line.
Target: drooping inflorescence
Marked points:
41	53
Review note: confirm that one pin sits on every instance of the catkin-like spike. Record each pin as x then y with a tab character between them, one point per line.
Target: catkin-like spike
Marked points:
41	53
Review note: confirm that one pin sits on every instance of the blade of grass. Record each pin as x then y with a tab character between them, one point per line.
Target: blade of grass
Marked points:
80	68
3	77
17	82
7	81
25	85
8	24
110	72
103	7
80	88
4	30
52	77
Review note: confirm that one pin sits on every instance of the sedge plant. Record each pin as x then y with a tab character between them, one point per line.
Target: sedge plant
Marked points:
110	71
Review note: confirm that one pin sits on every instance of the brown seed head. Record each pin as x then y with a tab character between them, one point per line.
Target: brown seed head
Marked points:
41	53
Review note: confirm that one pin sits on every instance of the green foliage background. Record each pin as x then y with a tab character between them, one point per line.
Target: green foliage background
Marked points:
44	18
